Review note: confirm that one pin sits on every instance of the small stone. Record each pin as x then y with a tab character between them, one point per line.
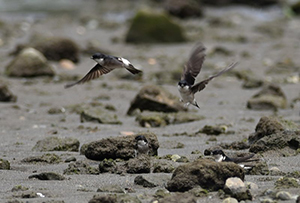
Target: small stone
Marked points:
230	200
6	95
237	189
140	180
47	176
154	98
45	158
70	159
141	164
286	182
19	188
283	195
183	9
111	189
80	167
4	164
274	171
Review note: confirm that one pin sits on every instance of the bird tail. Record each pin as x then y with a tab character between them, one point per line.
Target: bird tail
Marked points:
132	69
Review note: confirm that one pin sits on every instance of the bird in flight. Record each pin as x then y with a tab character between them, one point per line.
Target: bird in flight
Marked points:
186	86
105	64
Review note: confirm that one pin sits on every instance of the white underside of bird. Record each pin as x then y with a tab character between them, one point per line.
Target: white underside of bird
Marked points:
186	97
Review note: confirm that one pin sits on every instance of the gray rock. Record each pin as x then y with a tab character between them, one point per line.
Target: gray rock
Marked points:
236	188
29	63
19	188
112	198
45	158
213	130
6	95
274	171
151	27
205	173
70	159
47	176
158	119
4	164
283	195
275	134
259	168
141	164
270	97
287	182
98	114
57	144
53	47
140	180
118	147
111	189
230	200
154	98
179	197
104	199
183	9
108	165
163	166
80	167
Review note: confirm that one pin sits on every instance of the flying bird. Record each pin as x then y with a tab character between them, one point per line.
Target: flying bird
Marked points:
105	64
186	86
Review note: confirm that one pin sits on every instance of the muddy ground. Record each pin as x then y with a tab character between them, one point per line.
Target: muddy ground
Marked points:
257	38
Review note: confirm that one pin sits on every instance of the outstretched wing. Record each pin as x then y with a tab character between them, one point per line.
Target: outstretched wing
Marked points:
95	72
194	64
201	85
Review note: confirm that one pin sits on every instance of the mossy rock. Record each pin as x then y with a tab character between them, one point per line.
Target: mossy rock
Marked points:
29	63
148	27
4	164
57	144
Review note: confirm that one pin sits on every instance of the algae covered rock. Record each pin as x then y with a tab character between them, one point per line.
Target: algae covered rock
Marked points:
29	63
271	97
99	115
45	158
118	147
154	98
47	176
6	95
272	133
205	173
80	167
4	164
158	119
57	144
149	27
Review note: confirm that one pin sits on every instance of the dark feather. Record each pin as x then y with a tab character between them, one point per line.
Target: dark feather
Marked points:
194	64
95	72
201	85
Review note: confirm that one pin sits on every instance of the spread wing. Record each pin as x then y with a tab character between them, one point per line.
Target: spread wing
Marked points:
194	64
201	85
95	72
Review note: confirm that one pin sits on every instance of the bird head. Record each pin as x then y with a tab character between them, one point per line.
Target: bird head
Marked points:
141	138
218	152
182	83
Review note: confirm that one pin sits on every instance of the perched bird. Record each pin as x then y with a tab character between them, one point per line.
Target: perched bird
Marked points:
105	64
220	156
186	86
142	145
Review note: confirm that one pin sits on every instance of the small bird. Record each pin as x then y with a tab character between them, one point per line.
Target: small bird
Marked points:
220	156
142	145
186	86
105	64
